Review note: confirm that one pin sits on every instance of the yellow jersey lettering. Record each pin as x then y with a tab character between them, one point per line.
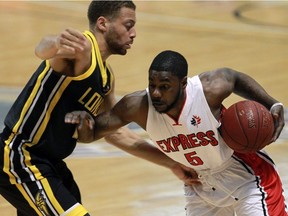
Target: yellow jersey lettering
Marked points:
84	95
91	101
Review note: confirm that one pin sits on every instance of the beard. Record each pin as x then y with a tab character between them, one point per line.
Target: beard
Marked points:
113	44
173	104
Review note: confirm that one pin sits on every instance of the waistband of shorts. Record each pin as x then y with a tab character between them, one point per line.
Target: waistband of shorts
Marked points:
220	168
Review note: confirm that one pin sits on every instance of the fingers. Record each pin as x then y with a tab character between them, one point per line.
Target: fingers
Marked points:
186	174
279	125
85	121
73	117
71	40
279	122
191	177
81	118
190	182
91	124
76	34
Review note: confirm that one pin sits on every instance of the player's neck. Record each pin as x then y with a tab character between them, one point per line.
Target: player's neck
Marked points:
176	110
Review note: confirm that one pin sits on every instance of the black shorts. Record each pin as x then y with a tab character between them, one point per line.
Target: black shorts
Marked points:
55	194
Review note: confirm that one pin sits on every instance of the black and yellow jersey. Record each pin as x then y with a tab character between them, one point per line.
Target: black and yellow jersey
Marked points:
35	132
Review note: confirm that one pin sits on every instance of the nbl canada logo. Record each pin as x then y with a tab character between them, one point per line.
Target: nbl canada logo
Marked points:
195	121
40	202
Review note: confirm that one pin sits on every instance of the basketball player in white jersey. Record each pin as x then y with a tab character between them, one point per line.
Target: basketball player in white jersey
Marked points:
182	116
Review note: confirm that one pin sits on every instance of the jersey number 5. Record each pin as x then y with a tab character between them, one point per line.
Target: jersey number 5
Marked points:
193	159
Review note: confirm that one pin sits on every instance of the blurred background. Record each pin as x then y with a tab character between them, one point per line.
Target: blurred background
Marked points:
249	36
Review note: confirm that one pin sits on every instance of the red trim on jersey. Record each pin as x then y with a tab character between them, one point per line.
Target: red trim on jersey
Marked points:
177	120
223	110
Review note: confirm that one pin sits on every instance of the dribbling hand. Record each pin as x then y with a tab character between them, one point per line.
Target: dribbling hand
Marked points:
279	121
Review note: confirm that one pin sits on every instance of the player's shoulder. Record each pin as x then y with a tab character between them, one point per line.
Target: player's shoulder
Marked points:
136	97
216	75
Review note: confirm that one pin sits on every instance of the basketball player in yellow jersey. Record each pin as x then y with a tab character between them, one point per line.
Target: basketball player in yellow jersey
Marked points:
33	176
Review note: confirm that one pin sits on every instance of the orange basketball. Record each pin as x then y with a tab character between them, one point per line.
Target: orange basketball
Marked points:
247	126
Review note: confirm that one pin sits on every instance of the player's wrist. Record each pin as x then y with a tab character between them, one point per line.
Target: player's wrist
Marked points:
276	104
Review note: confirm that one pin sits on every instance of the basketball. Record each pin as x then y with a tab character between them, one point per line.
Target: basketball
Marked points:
247	126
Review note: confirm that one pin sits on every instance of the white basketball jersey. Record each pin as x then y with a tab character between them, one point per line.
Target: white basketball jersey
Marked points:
193	139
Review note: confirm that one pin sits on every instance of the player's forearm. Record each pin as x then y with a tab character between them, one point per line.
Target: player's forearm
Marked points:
249	88
47	48
133	144
148	152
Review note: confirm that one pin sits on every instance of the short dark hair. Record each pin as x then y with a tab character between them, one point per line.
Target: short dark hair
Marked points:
108	9
170	61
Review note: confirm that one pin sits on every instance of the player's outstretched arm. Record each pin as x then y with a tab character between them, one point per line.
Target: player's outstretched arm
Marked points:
110	124
130	142
133	144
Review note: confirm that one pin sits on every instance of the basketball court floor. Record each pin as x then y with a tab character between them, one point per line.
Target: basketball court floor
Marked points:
249	36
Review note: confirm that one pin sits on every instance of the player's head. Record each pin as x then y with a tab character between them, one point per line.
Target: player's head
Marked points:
115	22
168	80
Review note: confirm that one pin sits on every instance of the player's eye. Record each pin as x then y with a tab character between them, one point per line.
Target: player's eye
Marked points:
164	87
129	25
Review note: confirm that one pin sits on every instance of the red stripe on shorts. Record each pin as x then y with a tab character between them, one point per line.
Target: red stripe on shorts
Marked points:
270	183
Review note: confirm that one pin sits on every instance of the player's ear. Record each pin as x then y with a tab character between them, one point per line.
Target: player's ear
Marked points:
102	24
184	82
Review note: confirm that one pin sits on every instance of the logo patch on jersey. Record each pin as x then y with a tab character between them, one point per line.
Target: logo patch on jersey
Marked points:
40	202
195	121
